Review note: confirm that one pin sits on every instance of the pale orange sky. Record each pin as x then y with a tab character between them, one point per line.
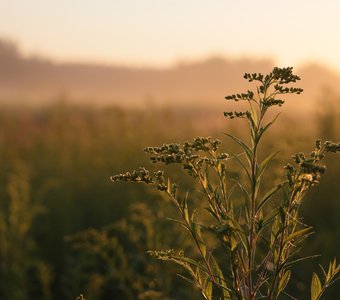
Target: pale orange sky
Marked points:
160	33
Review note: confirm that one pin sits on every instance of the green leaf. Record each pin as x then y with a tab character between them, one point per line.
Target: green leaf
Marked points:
316	287
169	186
177	221
198	275
196	230
263	130
205	181
208	290
233	242
219	276
192	282
264	164
284	281
294	235
189	261
333	270
243	166
274	231
221	282
269	194
333	266
253	114
270	217
212	213
282	214
288	264
245	147
242	235
245	192
323	271
185	208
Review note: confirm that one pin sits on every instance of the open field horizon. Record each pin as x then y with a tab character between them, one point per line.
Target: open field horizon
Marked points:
34	81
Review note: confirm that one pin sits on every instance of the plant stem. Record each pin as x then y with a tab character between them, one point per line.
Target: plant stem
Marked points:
210	272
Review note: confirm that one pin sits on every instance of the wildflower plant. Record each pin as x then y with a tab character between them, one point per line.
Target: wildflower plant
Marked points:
256	240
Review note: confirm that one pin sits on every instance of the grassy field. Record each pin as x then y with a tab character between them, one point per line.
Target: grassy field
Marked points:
65	229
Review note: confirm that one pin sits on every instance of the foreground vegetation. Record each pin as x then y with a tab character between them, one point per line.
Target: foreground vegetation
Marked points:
246	246
65	230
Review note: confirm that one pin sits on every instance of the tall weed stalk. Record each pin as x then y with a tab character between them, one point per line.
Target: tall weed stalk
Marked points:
245	249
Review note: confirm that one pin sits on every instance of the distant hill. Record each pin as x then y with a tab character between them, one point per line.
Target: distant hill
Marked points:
204	83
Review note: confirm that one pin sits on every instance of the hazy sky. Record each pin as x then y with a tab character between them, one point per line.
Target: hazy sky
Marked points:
161	32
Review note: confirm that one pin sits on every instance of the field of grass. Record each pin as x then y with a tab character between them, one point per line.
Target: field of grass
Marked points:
65	229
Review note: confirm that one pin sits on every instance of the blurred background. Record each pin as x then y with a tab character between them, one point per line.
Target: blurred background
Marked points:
85	86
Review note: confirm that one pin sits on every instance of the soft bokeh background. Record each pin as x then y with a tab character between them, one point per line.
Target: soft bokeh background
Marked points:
85	85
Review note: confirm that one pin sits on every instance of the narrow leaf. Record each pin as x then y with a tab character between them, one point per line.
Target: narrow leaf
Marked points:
269	194
212	213
185	208
243	166
289	264
189	261
264	164
297	234
284	281
263	130
169	186
245	147
221	282
196	231
316	287
208	290
253	114
192	282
